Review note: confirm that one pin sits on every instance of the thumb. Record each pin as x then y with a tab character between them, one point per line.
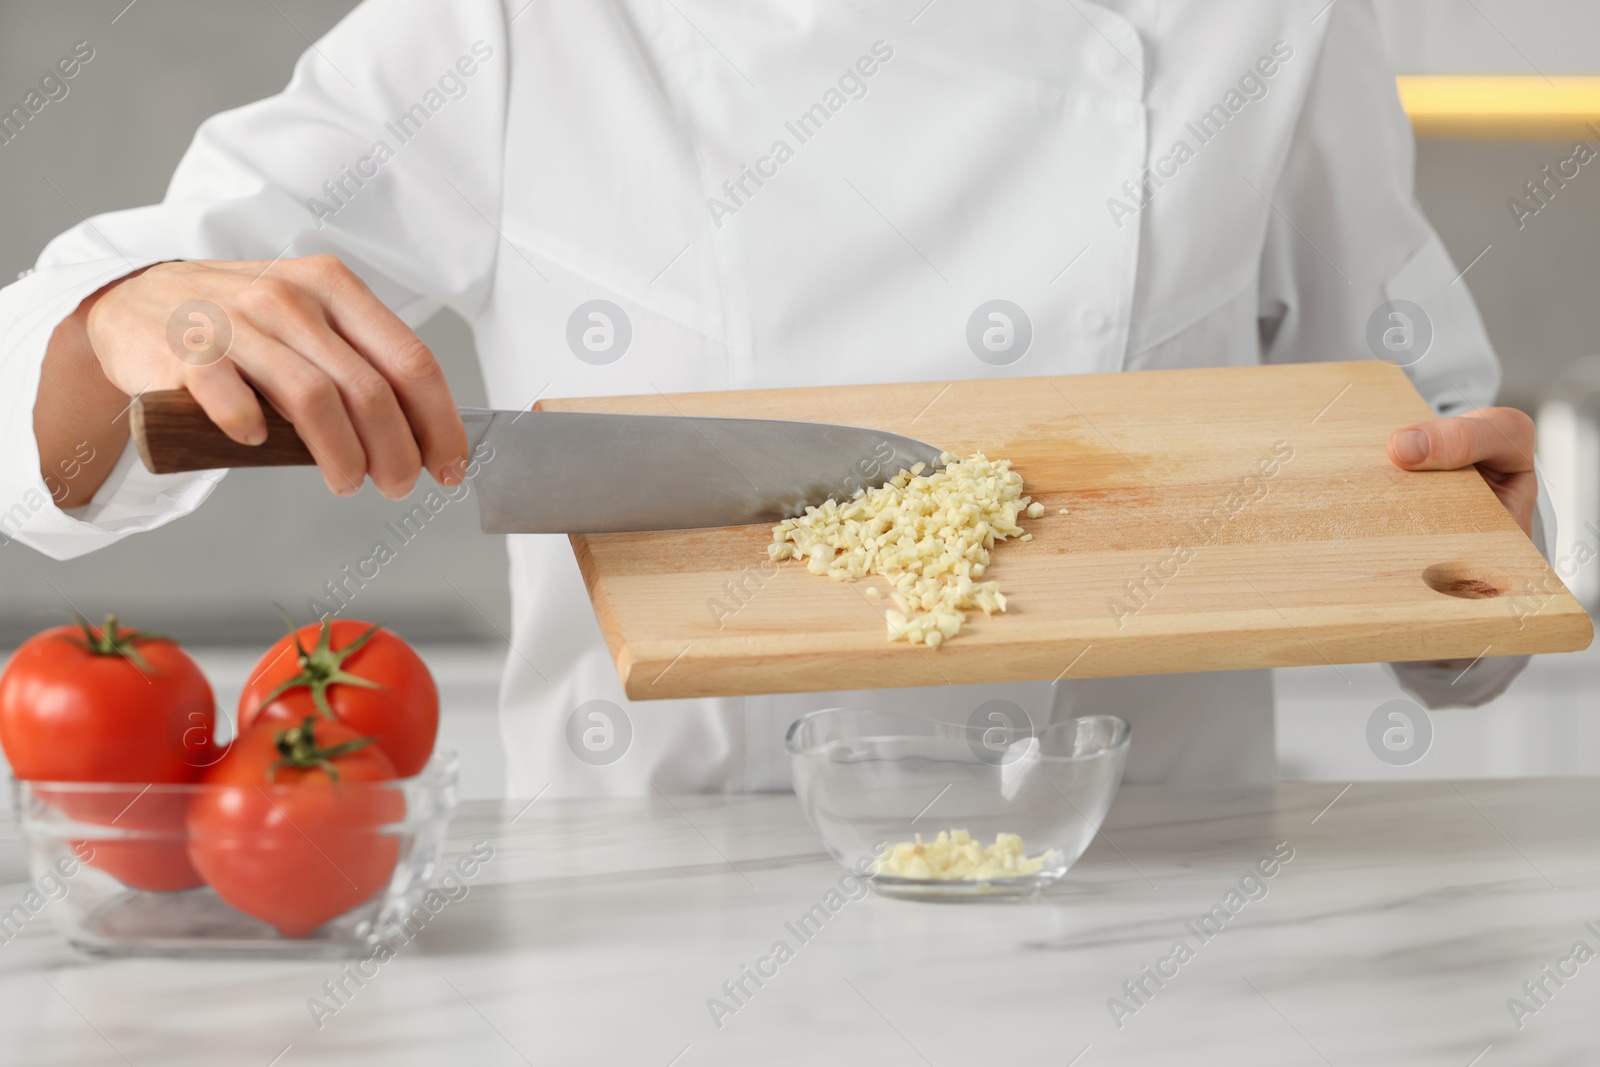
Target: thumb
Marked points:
1501	439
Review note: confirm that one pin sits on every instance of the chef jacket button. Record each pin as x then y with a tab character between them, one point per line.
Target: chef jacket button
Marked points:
1093	320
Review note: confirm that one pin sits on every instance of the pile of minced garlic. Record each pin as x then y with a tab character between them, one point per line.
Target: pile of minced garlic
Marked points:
954	855
929	534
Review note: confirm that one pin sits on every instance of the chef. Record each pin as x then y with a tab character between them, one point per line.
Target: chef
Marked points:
631	196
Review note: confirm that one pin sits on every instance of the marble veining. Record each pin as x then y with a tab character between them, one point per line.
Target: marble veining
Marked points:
608	932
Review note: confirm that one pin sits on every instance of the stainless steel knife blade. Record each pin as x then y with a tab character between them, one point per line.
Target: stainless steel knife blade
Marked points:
579	472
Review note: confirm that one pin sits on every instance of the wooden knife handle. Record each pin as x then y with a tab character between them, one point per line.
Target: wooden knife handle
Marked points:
173	433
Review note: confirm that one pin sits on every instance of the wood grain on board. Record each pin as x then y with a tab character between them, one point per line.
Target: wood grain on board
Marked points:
1219	519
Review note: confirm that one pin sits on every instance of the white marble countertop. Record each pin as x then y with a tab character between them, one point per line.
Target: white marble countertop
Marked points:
1408	916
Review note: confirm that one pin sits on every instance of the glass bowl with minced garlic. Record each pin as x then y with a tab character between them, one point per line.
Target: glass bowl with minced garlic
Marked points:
989	810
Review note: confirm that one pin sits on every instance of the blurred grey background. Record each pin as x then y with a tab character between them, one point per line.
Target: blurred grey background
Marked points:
162	66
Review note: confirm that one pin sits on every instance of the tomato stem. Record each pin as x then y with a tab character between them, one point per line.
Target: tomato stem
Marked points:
322	666
297	748
111	640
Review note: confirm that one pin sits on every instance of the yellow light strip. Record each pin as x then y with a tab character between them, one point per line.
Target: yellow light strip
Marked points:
1502	107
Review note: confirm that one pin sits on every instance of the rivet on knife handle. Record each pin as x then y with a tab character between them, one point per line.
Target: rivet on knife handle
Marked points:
173	433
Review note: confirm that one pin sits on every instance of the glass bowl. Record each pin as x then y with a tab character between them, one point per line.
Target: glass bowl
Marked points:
114	859
868	780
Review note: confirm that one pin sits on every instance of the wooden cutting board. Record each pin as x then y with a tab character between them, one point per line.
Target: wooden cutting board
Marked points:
1218	519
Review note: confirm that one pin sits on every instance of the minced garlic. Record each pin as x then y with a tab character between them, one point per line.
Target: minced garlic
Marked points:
930	534
955	856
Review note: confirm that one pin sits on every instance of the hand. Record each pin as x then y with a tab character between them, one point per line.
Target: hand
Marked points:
1498	441
358	385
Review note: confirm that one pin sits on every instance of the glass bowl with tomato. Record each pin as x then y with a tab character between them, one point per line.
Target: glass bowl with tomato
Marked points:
309	868
316	830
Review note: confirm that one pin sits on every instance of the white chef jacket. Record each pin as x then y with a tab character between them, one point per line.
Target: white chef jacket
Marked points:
540	155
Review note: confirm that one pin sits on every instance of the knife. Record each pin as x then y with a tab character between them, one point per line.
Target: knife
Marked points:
580	472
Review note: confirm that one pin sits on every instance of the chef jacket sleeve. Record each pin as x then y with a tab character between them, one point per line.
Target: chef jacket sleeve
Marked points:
1346	237
384	149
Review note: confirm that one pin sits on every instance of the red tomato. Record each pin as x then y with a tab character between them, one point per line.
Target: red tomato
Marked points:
290	831
354	672
156	857
104	704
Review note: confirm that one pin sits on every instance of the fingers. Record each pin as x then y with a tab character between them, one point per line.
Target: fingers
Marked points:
1498	439
416	381
1499	442
310	399
366	395
1520	495
393	460
228	401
